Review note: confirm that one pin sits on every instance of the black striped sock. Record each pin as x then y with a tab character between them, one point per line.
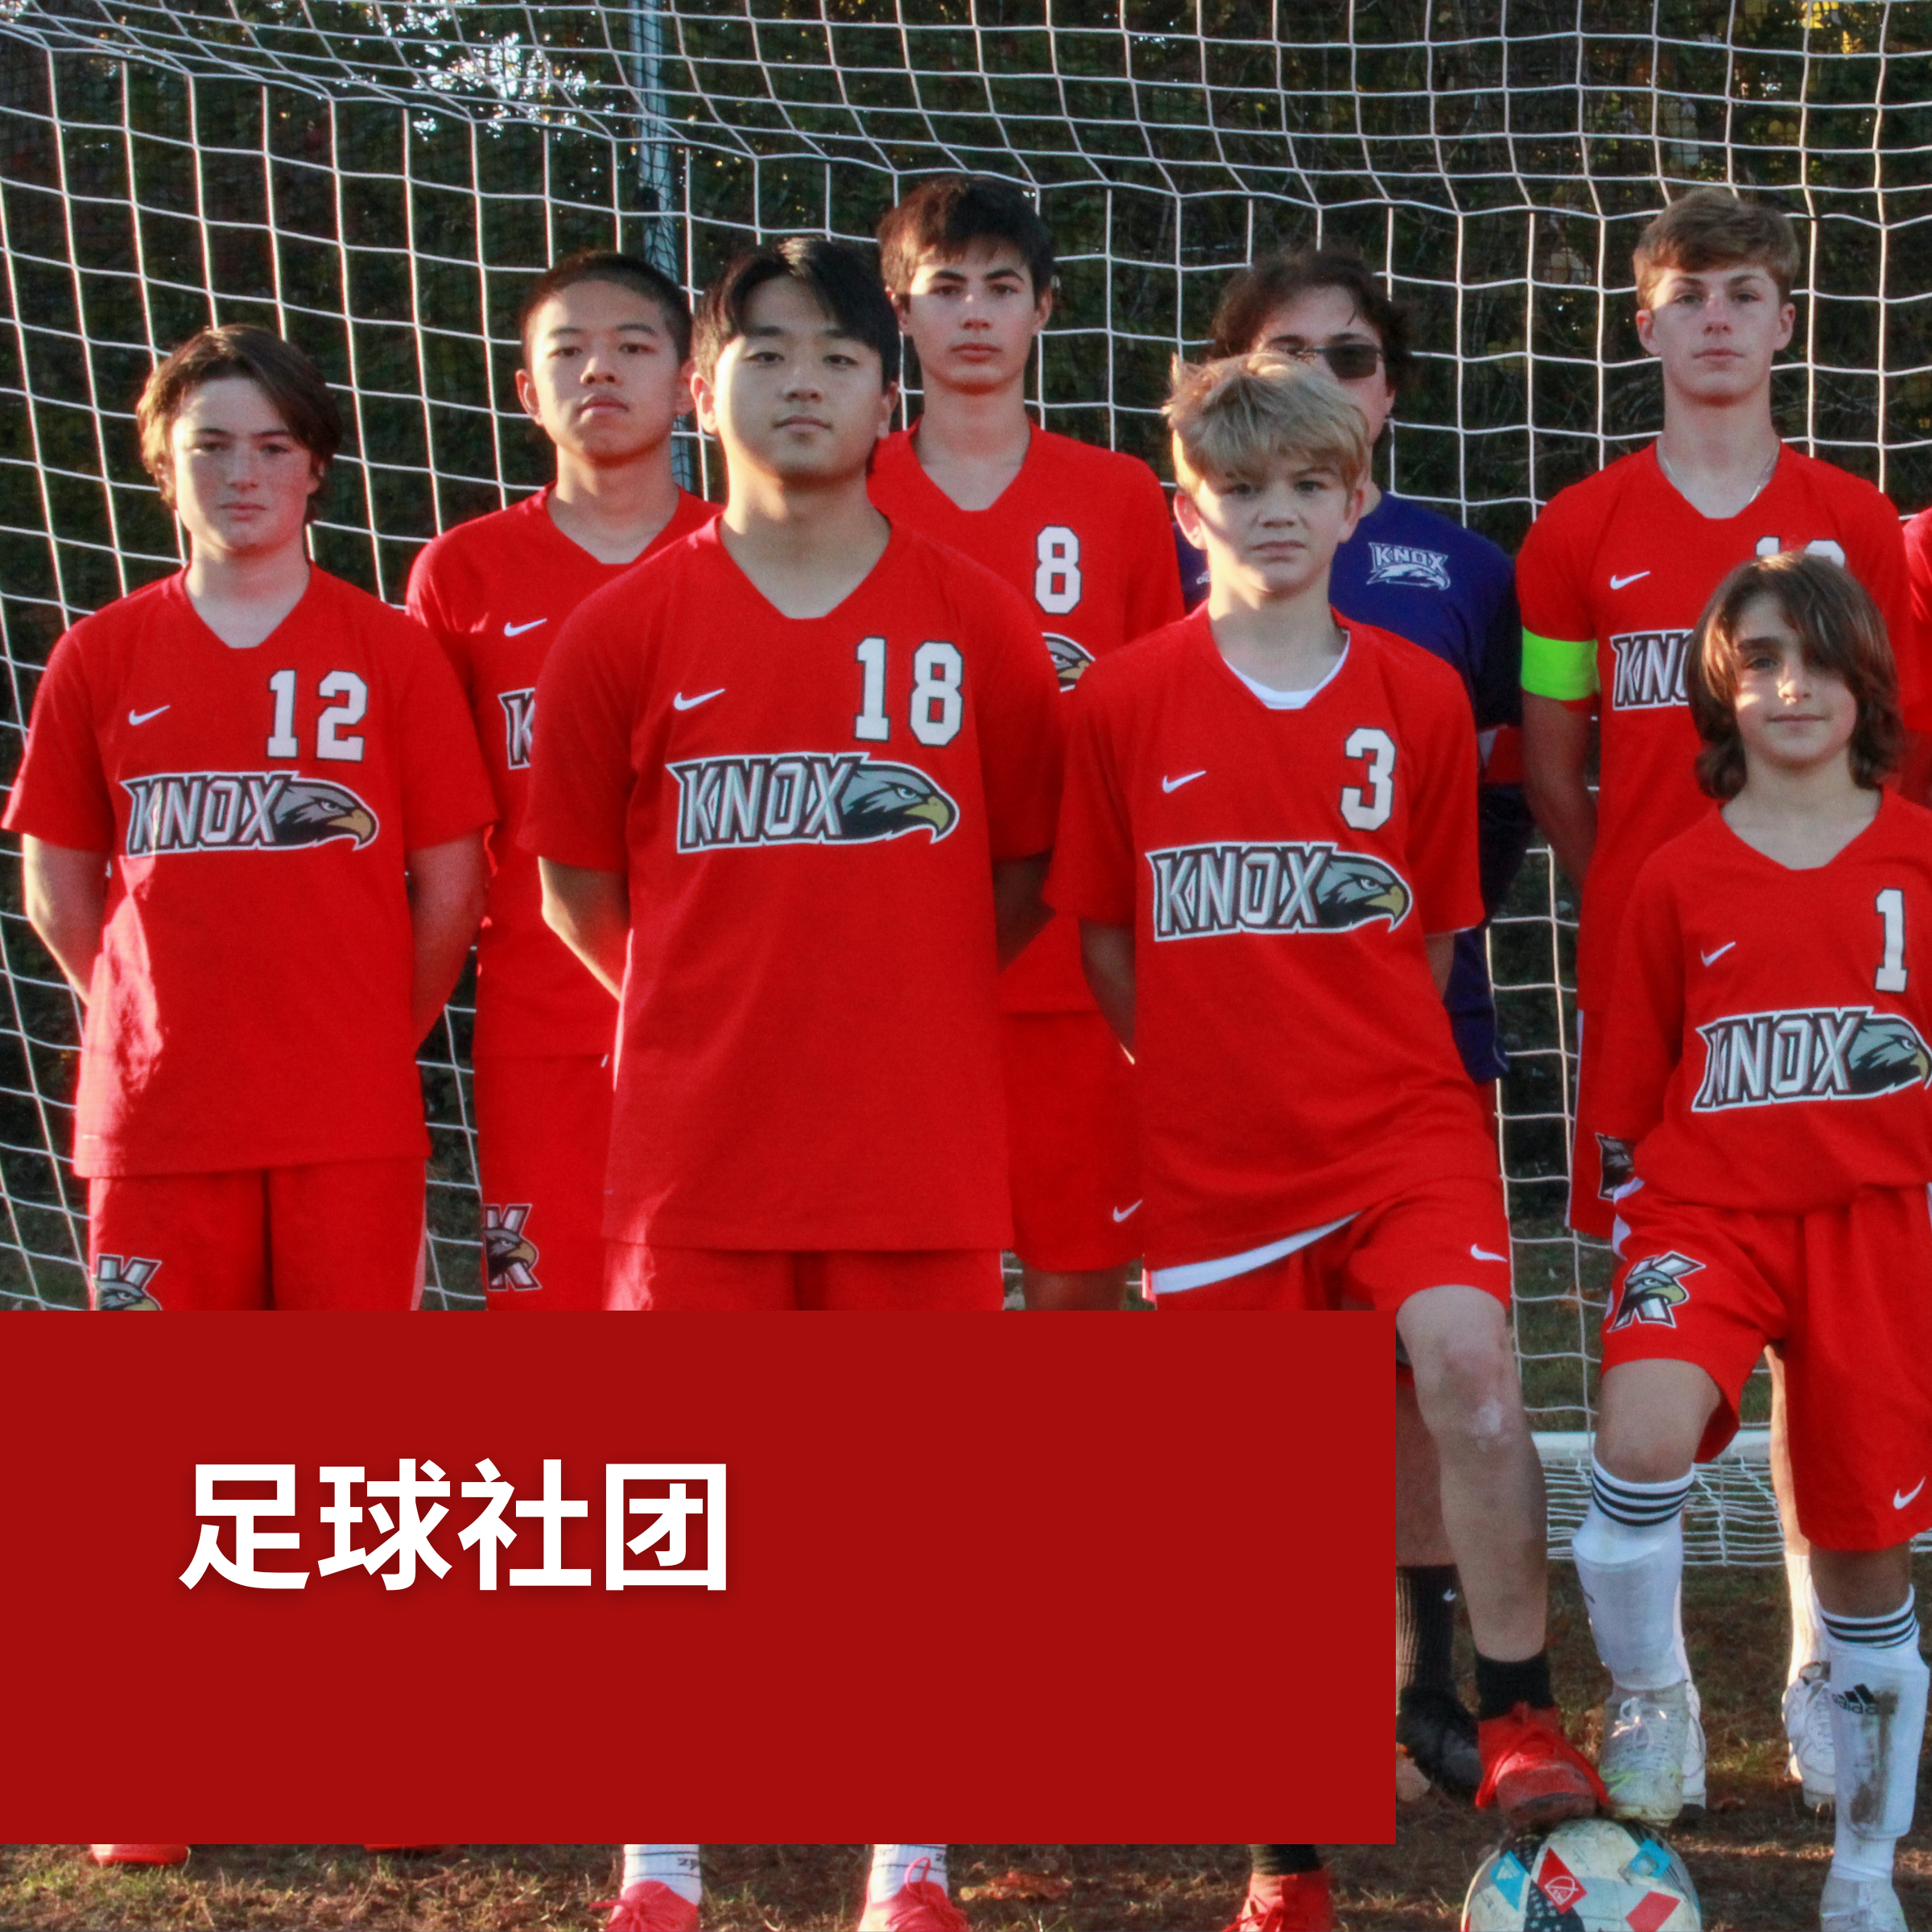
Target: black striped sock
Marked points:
1637	1505
1886	1632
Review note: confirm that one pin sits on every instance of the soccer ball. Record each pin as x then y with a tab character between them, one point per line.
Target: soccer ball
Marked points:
1591	1875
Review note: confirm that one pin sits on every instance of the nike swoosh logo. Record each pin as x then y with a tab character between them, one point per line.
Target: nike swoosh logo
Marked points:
141	717
1899	1502
1618	582
681	703
1483	1254
1127	1214
517	630
1186	778
1711	959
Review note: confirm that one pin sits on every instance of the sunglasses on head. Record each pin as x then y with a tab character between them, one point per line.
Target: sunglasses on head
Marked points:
1347	362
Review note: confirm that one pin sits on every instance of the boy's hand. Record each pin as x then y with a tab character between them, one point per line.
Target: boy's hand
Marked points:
1019	914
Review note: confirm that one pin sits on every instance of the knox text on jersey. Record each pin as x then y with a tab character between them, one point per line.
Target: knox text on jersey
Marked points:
805	798
519	715
1817	1053
510	1256
1653	1288
241	811
1202	891
120	1283
1650	670
1407	564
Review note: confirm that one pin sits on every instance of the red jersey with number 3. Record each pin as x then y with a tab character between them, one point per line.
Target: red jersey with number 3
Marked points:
1620	567
1279	869
250	1005
1769	1044
1084	535
494	593
807	812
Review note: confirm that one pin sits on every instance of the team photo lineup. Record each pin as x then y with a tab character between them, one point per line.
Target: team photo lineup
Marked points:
951	843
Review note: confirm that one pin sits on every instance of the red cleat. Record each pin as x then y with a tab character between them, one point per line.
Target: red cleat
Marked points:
138	1854
918	1905
1532	1773
648	1906
1298	1903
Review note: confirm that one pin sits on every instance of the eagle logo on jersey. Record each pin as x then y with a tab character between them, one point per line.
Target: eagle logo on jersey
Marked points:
510	1256
519	717
241	811
806	798
1650	670
1818	1053
1404	564
1201	891
121	1282
1069	658
1652	1289
1616	1163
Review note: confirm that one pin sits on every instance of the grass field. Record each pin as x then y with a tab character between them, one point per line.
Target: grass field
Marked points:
1758	1855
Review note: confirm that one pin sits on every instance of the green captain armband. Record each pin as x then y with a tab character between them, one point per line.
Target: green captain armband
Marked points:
1553	667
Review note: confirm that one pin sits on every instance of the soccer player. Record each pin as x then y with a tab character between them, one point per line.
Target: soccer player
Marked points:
795	781
1412	572
606	373
1268	836
1766	1056
904	1891
1612	579
252	811
1082	533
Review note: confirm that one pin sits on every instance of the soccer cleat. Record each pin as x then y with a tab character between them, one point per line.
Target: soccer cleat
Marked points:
1532	1773
1861	1905
648	1906
918	1905
138	1854
1439	1731
1694	1791
1298	1903
1646	1734
1813	1762
1409	1782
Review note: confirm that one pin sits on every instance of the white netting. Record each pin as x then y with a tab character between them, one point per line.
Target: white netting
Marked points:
380	178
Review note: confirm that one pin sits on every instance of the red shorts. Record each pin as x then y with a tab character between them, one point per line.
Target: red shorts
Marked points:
758	1279
341	1234
1070	1126
1455	1230
1591	1209
1845	1293
542	1139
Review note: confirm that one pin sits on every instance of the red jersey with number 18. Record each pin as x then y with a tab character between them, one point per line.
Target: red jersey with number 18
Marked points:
251	1005
1769	1040
807	812
1084	535
1279	868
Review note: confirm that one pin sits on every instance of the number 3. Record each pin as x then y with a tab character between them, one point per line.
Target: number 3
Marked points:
1378	748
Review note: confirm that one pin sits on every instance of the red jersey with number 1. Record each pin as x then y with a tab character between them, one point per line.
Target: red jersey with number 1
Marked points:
1612	579
1084	535
250	1005
1770	1042
494	593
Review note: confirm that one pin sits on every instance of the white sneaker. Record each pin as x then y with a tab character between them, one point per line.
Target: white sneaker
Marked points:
1694	1753
1646	1740
1861	1905
1808	1725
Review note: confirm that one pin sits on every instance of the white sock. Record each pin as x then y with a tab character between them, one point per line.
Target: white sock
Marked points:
673	1865
1629	1552
1878	1721
1807	1635
891	1864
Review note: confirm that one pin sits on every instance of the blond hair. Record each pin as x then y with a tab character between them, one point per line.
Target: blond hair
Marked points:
1713	227
1230	418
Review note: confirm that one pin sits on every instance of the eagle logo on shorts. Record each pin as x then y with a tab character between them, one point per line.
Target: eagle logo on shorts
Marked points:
806	798
1652	1289
120	1283
1207	890
1069	658
241	811
510	1256
1812	1053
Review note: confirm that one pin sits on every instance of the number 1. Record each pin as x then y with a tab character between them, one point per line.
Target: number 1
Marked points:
1891	976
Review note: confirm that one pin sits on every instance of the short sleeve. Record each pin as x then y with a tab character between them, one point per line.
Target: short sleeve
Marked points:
1016	712
580	777
1442	820
1643	1029
428	603
61	794
1559	631
1154	593
445	789
1093	859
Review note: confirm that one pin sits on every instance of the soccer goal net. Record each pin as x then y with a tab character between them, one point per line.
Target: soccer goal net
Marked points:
380	180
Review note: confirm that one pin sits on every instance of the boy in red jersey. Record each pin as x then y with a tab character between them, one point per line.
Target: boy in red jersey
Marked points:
1082	533
1268	836
1766	1057
810	759
252	813
606	353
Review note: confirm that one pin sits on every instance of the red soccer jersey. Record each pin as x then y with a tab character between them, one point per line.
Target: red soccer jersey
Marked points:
1279	869
1918	568
807	812
250	1003
1767	1044
1084	535
494	593
1612	579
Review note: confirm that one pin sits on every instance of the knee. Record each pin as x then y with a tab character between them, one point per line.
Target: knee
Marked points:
1468	1389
